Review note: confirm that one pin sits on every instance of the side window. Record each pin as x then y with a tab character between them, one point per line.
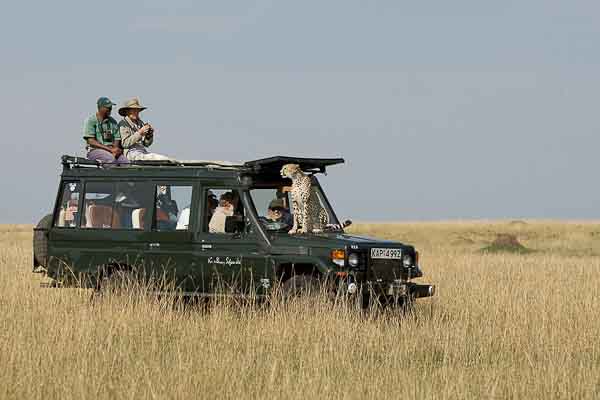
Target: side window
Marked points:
98	206
272	207
122	205
331	217
133	201
173	203
224	212
69	205
317	194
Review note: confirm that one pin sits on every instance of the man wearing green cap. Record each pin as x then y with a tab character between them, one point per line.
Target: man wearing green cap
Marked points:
277	212
101	133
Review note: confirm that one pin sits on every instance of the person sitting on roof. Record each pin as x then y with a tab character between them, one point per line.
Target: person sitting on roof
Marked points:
101	133
137	136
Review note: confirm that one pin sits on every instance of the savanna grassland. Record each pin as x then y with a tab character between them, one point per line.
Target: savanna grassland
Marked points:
502	325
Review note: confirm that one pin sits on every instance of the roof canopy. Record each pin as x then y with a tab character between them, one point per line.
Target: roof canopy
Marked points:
306	164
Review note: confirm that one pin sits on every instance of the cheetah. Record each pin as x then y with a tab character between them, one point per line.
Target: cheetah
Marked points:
309	216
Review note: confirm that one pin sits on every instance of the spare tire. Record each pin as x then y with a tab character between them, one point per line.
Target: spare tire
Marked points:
40	242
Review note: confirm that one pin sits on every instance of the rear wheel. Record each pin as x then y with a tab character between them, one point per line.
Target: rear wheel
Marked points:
40	242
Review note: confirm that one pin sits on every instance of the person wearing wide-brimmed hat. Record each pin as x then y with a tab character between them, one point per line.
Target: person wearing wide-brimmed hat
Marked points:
136	136
101	134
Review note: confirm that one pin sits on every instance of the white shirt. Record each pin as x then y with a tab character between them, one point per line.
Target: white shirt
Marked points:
183	222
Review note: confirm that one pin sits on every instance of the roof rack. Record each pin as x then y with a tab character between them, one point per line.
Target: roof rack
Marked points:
81	162
271	165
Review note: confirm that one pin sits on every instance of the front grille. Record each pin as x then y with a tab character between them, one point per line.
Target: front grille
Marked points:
385	270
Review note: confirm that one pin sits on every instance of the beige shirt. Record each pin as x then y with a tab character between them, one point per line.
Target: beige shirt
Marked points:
131	139
217	221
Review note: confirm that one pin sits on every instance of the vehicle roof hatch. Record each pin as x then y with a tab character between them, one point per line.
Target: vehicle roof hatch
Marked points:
274	164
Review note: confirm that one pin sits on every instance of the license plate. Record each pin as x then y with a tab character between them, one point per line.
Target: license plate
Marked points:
389	254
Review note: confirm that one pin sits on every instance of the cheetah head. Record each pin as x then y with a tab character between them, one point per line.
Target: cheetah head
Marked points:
290	170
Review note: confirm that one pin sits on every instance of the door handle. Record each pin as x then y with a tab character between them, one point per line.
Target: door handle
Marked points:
154	245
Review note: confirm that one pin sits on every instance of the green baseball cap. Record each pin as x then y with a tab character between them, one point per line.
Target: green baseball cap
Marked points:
105	102
276	204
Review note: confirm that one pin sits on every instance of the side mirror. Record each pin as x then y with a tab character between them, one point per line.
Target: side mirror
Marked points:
347	223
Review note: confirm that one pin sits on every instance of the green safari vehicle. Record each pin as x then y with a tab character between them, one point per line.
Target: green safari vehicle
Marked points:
167	218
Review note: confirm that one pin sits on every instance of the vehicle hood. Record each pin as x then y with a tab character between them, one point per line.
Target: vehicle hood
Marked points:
283	242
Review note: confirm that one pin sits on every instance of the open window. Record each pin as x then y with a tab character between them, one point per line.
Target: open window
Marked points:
111	205
98	206
224	212
66	216
173	207
274	208
317	192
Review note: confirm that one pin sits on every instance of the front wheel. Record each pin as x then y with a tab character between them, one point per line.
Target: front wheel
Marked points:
299	285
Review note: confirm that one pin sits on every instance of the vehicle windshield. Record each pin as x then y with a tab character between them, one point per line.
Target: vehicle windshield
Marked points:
275	212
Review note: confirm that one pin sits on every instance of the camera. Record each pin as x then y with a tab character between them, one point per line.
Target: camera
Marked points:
150	131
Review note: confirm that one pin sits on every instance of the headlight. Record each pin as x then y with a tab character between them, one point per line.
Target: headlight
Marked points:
407	260
353	260
338	257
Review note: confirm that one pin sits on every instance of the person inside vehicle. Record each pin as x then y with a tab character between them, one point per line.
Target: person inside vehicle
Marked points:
212	202
278	216
101	133
277	212
68	212
184	217
136	136
225	209
166	209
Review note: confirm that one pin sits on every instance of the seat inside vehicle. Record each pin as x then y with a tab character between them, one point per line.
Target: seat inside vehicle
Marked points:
101	217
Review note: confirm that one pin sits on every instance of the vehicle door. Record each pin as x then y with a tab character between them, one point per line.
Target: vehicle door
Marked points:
94	225
232	254
172	251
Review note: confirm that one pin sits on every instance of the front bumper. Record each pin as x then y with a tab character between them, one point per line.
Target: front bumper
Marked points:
391	289
422	290
402	289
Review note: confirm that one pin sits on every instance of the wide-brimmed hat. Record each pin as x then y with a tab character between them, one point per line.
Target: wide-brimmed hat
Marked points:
131	104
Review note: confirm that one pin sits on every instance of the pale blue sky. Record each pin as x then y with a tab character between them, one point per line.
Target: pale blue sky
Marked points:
462	109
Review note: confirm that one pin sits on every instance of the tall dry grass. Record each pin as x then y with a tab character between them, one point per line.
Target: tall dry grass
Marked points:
501	326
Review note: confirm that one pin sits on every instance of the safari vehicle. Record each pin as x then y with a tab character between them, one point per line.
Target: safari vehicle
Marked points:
156	217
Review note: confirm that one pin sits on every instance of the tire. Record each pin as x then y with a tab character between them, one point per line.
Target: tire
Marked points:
404	304
299	285
40	242
119	281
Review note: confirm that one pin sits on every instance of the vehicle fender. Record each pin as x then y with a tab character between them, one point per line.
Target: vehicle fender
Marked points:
322	265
